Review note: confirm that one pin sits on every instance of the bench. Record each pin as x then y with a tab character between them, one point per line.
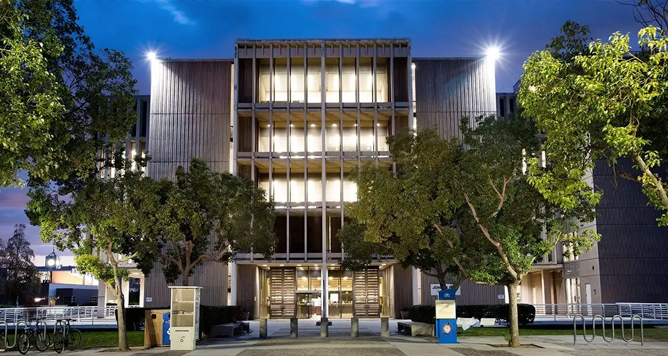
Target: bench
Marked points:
415	329
230	329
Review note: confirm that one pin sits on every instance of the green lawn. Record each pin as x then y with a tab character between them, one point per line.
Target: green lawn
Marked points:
651	333
105	339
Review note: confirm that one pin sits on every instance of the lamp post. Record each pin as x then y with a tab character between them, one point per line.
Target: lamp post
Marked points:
52	261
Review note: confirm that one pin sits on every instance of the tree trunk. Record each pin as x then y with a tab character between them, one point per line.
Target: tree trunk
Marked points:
185	277
120	308
513	323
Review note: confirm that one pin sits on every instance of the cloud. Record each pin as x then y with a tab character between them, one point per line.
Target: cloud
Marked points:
179	16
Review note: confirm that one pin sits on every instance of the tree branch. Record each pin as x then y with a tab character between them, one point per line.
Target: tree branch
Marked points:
502	195
657	183
487	235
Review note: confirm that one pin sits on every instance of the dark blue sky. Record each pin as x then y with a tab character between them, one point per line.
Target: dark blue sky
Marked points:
208	28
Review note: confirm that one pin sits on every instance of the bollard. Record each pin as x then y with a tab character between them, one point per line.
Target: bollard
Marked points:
263	328
354	327
384	327
324	327
294	327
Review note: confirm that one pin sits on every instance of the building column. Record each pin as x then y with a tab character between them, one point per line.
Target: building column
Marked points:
142	280
414	286
233	283
101	298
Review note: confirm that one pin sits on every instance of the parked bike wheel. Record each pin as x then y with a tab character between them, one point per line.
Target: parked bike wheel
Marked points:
58	342
42	341
73	339
23	343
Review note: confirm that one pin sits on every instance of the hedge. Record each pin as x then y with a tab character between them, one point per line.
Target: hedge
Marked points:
427	313
208	317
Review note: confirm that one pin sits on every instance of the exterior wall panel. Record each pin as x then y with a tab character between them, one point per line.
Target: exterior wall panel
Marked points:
449	89
190	115
471	293
403	295
211	276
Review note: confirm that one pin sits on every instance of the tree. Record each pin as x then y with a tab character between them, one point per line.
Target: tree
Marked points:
508	213
649	12
601	105
210	216
61	96
414	216
17	267
30	96
105	222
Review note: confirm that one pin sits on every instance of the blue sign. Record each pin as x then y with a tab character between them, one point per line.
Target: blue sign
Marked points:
446	329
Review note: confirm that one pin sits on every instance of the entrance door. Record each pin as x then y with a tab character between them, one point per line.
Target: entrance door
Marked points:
588	297
282	293
366	301
304	305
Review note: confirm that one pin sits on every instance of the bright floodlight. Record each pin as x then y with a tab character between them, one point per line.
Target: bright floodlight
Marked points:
493	53
151	55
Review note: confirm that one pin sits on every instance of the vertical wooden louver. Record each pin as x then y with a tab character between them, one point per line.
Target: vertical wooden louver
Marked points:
366	301
282	293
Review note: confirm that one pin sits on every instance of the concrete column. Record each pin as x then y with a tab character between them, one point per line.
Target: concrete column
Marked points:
233	283
414	286
324	327
101	298
294	327
384	327
354	327
263	328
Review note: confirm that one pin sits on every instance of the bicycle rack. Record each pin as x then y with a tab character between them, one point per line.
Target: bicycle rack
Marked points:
16	334
612	321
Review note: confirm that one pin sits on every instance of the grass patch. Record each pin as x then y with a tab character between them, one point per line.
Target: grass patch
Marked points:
103	339
651	333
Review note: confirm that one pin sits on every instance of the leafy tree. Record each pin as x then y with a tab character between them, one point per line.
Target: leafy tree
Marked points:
469	203
31	101
601	105
19	273
61	96
512	216
414	216
210	216
106	222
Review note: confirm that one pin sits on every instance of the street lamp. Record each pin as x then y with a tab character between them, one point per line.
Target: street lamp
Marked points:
52	261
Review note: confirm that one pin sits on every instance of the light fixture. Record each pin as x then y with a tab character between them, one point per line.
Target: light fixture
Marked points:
493	53
292	125
299	265
264	265
151	56
304	278
345	278
331	278
281	265
334	125
312	125
268	125
52	260
319	278
382	264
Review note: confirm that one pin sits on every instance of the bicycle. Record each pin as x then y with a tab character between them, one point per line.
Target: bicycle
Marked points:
30	336
65	337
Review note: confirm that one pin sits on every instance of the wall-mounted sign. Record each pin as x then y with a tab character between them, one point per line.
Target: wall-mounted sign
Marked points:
149	299
502	296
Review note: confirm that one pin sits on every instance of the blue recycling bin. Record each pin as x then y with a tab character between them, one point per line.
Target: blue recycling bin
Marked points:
165	329
446	317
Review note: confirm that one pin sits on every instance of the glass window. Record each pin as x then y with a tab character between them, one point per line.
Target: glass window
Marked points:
314	187
263	83
332	83
382	86
297	84
263	137
333	137
366	83
302	279
367	139
350	137
349	190
280	84
296	137
348	83
313	82
296	188
314	138
383	132
333	187
279	188
280	139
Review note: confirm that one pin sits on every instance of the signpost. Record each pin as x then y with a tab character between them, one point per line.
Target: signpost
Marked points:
446	317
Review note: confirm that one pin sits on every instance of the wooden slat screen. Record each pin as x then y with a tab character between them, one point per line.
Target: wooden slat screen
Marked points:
282	293
366	301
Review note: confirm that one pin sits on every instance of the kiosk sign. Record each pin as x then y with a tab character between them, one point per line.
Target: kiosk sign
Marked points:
446	317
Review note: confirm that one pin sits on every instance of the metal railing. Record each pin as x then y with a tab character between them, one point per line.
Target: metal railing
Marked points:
648	311
85	315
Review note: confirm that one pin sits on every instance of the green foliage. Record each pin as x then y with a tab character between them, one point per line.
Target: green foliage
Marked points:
60	94
599	104
18	272
202	203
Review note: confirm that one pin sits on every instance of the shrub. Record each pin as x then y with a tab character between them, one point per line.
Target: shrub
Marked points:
427	313
208	317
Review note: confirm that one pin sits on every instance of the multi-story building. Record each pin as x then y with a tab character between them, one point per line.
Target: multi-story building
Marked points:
296	117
